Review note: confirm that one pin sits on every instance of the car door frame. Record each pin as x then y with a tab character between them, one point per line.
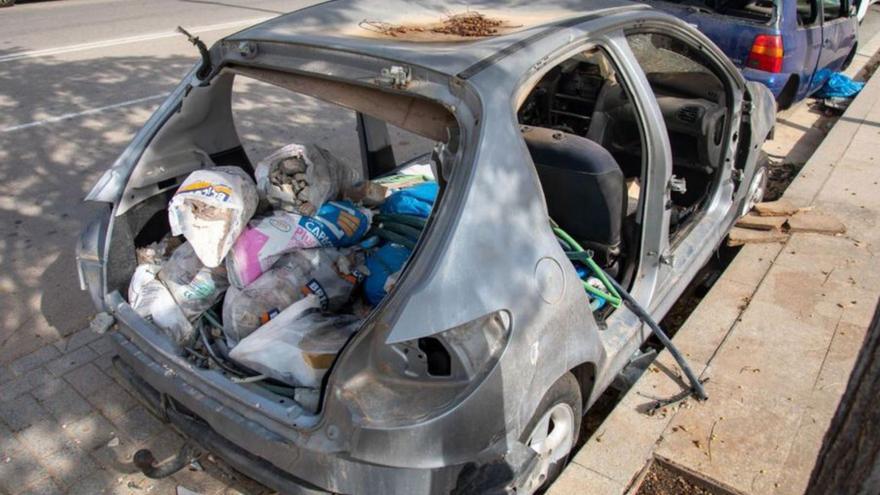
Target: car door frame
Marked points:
680	262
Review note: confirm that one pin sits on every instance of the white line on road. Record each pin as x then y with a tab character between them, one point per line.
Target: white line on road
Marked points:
123	41
68	116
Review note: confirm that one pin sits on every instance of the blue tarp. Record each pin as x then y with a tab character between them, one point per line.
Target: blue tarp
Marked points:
839	86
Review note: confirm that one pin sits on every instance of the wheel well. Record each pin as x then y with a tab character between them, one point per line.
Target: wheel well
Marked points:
789	91
585	373
850	56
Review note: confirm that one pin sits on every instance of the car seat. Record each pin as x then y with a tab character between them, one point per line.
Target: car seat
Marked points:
584	187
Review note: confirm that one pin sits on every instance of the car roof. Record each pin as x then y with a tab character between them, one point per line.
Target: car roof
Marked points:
404	31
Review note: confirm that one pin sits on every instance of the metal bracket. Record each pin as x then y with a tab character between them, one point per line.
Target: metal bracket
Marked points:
677	184
396	76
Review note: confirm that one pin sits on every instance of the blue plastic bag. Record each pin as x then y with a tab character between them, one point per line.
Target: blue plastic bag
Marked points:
382	264
417	200
839	85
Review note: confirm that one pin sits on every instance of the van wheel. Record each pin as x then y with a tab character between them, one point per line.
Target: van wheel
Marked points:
7	3
553	431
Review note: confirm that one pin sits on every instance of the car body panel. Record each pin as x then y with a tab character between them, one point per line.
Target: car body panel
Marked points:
370	436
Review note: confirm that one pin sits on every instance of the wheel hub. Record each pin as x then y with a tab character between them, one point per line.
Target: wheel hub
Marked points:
552	439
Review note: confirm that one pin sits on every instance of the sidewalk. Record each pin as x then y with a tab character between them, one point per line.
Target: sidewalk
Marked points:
777	337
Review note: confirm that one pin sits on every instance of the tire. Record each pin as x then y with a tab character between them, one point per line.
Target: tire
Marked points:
7	3
758	185
562	408
789	91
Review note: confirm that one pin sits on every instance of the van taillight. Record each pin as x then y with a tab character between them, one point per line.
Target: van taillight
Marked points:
766	53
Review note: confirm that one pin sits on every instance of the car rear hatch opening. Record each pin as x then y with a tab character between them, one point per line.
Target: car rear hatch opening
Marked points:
248	269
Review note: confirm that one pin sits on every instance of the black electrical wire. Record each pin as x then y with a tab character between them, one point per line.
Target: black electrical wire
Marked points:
696	386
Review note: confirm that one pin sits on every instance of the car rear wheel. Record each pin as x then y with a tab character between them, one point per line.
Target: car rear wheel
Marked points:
553	431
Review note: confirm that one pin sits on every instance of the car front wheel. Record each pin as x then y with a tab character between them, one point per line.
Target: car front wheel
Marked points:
553	431
758	187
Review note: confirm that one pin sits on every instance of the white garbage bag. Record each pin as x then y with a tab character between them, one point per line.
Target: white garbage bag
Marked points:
177	293
211	208
298	346
301	178
329	274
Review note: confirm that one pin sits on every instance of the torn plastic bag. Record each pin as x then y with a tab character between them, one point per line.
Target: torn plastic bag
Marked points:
301	178
298	346
839	85
211	208
417	200
337	224
328	274
177	293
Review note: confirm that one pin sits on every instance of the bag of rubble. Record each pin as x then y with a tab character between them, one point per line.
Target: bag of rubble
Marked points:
298	346
328	274
337	224
211	208
177	292
301	178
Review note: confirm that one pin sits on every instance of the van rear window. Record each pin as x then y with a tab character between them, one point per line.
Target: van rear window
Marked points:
754	10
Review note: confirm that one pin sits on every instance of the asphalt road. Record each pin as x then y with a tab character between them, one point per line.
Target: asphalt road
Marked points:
77	78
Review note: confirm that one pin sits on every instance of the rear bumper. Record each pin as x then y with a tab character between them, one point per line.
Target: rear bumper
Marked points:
274	459
208	439
774	81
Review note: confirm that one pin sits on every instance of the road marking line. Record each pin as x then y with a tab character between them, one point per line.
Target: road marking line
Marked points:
127	40
68	116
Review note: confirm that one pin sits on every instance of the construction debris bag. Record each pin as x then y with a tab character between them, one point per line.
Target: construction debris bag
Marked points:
211	208
337	224
176	293
328	274
417	200
298	346
301	178
383	268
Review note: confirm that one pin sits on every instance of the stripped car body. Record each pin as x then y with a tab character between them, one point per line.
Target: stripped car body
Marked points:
488	279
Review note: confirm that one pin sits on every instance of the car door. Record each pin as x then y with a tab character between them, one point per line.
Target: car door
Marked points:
807	37
838	37
688	80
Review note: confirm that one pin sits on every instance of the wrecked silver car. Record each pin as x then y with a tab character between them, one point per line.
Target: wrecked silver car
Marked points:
567	147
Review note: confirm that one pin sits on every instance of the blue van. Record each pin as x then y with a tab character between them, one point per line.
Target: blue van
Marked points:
791	46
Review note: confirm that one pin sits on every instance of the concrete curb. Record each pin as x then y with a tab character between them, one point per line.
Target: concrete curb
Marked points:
614	458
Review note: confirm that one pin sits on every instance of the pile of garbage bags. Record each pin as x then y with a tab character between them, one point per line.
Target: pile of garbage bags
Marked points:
292	261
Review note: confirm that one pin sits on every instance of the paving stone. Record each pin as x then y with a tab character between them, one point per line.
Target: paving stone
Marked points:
43	487
71	360
117	458
20	472
103	345
66	405
112	400
23	384
69	464
811	221
44	438
34	360
88	379
76	340
99	482
105	361
743	452
757	222
9	444
5	374
776	208
90	432
139	424
21	412
739	236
